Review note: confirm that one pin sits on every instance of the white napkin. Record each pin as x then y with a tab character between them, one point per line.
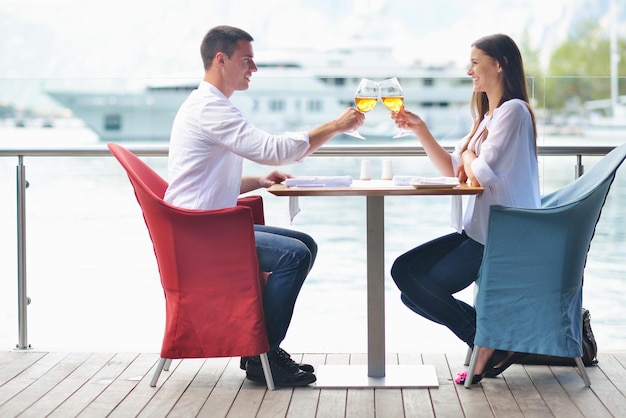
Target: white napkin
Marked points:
319	181
312	181
405	180
409	180
294	208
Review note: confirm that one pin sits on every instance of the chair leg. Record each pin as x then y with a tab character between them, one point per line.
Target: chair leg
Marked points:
166	366
472	366
157	371
581	369
265	363
468	356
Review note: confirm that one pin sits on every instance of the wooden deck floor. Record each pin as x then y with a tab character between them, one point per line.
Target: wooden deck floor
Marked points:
38	384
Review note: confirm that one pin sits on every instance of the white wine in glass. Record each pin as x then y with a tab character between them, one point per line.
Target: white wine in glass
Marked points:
393	98
365	98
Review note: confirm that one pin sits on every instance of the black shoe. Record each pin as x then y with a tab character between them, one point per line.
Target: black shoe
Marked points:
511	359
284	372
303	366
497	357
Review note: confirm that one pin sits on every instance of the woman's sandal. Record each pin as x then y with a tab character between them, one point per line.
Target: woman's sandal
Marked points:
497	357
504	364
462	376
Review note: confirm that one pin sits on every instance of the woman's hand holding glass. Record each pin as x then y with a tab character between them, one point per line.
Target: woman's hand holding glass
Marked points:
393	99
407	120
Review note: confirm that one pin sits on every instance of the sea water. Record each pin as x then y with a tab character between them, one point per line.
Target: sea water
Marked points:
94	285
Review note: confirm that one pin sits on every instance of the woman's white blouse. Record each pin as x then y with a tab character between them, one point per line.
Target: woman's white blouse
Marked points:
506	165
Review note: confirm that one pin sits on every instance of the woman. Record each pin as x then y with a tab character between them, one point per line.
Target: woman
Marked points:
500	155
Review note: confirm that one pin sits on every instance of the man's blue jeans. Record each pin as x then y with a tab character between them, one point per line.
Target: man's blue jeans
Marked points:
289	256
429	275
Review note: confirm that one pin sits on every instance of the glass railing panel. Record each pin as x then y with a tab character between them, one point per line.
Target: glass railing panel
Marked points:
91	271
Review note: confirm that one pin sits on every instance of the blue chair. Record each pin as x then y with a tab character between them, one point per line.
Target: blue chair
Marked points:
529	297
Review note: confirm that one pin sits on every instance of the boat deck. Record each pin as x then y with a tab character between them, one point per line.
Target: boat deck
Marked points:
62	384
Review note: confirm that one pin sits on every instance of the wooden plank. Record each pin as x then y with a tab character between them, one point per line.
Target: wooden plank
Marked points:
17	363
304	403
612	395
416	401
106	384
275	403
168	394
304	400
360	403
248	401
550	390
578	396
445	401
620	357
193	399
8	357
119	389
499	396
142	393
35	381
223	395
92	387
528	398
607	383
332	401
70	384
473	402
389	401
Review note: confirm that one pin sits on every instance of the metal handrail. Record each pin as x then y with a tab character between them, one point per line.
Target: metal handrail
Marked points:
155	150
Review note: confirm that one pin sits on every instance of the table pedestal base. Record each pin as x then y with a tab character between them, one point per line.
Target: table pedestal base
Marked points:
419	376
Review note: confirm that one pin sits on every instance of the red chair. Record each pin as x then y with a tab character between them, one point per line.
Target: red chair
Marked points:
209	272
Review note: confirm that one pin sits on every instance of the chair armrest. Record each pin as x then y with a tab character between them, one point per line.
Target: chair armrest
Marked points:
216	244
256	204
522	245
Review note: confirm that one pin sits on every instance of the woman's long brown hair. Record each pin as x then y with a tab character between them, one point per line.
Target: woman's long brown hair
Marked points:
504	50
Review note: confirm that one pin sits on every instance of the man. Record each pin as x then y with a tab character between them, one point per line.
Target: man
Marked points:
209	141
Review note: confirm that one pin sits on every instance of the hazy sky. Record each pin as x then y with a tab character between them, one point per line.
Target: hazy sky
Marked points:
78	38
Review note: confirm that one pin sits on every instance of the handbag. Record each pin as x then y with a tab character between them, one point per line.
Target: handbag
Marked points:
590	349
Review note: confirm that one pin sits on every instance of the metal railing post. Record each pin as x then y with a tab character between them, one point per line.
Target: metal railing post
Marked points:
580	168
22	297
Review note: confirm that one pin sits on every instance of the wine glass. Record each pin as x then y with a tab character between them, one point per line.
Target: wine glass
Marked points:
365	98
393	99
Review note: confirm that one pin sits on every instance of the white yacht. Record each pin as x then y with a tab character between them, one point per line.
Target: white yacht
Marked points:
606	119
292	90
